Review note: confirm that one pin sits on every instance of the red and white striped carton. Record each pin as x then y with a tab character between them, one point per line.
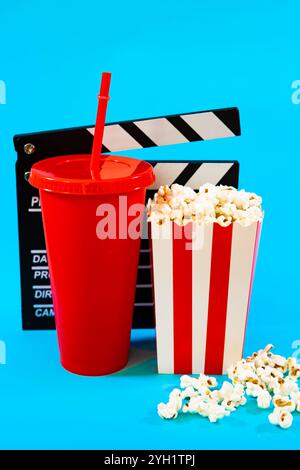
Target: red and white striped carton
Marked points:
202	280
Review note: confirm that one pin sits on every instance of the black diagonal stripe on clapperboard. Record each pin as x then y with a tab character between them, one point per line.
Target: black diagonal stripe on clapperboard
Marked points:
137	134
229	175
187	173
104	149
229	118
184	128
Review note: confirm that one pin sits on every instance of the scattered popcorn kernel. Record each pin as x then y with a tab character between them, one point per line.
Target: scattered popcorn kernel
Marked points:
279	361
288	386
264	399
175	399
217	412
284	403
167	411
205	381
186	381
197	404
295	372
281	418
253	390
285	419
228	405
226	390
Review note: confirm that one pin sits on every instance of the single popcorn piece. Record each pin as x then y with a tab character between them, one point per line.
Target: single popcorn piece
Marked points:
281	418
264	399
274	385
196	404
187	381
288	386
224	221
217	412
285	419
227	390
167	411
253	389
221	204
232	396
205	381
279	362
284	402
228	405
175	399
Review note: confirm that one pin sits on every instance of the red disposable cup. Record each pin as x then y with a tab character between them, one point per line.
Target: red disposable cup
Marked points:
93	280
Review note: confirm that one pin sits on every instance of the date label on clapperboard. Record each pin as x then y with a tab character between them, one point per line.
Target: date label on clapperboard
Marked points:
37	307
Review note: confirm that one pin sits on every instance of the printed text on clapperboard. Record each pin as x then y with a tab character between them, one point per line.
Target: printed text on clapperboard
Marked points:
42	295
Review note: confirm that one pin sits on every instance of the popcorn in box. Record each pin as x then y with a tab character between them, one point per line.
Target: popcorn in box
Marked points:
204	248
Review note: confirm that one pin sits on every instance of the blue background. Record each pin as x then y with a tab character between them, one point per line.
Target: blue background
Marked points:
166	57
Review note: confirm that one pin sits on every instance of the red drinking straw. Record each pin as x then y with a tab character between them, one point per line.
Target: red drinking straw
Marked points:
100	122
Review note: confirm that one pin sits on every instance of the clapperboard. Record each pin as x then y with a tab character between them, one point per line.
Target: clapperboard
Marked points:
37	308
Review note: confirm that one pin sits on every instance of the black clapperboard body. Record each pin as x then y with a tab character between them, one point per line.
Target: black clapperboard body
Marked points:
37	308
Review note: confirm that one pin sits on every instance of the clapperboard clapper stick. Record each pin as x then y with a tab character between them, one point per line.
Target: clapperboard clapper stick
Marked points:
100	123
37	308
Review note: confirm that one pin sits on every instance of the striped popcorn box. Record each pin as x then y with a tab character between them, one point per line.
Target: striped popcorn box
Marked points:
202	281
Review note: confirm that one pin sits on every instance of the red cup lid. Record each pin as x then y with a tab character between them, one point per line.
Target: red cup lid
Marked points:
70	174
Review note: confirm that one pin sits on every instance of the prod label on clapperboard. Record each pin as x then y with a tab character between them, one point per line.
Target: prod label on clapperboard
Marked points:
41	289
37	307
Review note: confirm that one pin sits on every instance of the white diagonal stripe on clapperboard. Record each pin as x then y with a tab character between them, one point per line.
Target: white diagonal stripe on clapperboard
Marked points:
115	139
161	131
166	173
208	125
